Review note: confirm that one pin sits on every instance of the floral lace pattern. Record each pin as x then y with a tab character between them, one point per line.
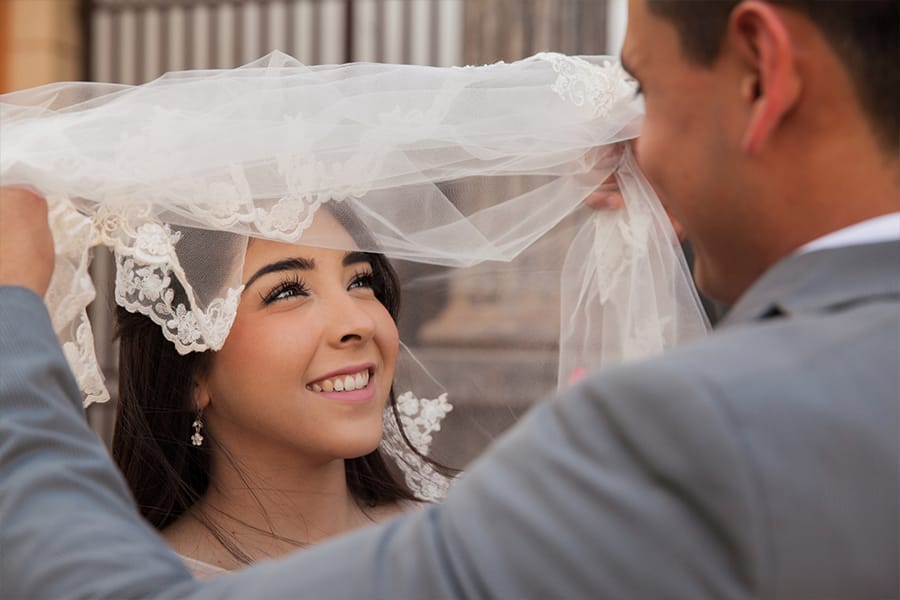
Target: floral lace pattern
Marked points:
420	417
146	289
69	293
80	353
598	88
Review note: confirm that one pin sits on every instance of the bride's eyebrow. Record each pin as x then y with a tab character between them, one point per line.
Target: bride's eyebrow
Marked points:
356	257
287	264
305	264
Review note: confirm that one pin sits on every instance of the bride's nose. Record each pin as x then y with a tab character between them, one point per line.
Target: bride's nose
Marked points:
348	322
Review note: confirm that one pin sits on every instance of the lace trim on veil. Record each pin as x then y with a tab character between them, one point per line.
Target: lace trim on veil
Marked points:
420	417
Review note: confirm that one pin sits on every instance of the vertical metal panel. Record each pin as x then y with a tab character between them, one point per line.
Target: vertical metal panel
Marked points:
452	38
406	25
527	18
163	40
333	29
380	30
178	40
212	47
316	32
115	43
151	31
100	59
236	38
263	31
248	23
393	31
184	37
197	26
290	41
434	33
365	30
418	29
349	33
304	24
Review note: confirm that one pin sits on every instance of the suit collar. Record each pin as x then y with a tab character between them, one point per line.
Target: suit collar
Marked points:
821	279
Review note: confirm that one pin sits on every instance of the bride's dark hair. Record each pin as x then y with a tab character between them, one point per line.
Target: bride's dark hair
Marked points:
151	441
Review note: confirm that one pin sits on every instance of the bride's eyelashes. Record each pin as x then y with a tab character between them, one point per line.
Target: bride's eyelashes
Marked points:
291	287
363	279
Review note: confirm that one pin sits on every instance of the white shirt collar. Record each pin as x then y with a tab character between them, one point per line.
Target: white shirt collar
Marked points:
885	228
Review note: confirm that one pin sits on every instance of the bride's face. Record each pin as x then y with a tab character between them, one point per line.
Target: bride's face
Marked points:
308	363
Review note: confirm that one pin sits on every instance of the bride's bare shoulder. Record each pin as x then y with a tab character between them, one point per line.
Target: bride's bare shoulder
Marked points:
183	532
193	541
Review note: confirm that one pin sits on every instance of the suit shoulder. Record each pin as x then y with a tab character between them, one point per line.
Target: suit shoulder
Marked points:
858	347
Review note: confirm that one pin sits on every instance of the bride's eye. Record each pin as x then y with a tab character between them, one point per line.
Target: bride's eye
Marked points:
290	288
363	280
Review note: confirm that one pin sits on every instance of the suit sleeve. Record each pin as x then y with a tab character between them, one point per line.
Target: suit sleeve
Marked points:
68	526
613	490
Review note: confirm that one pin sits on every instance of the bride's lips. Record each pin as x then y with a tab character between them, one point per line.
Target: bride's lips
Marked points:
325	385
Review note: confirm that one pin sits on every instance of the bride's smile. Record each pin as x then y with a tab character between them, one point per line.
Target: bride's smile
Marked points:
350	384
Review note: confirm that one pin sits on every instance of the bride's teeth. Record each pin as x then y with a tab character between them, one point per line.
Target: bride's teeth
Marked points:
347	383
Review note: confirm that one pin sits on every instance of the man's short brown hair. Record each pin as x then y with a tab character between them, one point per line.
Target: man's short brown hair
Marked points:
864	34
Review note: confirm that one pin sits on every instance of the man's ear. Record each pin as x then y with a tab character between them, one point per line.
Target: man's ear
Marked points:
759	36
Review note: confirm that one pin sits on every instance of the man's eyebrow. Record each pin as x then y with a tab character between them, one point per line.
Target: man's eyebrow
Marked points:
288	264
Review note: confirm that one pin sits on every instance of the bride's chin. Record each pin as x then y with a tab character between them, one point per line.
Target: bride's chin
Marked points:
361	450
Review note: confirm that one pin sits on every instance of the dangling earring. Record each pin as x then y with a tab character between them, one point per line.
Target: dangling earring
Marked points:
197	438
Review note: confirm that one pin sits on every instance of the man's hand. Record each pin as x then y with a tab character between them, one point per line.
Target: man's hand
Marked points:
609	197
26	245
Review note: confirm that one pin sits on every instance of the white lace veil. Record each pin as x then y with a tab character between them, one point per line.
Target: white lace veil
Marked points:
471	180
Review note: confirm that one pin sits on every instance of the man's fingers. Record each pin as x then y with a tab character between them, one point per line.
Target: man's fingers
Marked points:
605	197
26	244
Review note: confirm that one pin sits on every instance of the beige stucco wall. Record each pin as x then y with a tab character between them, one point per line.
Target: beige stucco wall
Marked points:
41	42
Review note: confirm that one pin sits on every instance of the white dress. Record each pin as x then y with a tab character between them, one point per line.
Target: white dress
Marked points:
201	570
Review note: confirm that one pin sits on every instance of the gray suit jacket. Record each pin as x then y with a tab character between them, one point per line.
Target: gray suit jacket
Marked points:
760	462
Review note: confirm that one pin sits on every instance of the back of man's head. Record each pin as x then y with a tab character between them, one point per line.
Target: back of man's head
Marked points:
863	33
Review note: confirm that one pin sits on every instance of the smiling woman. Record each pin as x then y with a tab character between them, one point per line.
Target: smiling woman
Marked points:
287	414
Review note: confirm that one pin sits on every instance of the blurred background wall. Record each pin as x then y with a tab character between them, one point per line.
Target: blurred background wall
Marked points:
134	41
40	41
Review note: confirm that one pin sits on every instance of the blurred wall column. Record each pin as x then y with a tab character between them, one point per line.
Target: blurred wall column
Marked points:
41	42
